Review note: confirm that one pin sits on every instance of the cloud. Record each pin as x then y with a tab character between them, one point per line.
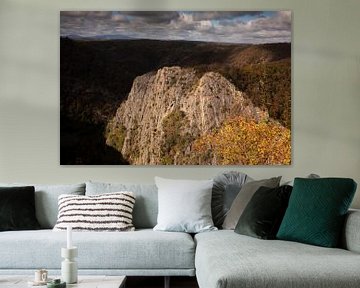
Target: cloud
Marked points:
228	26
120	18
273	28
87	14
280	21
219	15
149	17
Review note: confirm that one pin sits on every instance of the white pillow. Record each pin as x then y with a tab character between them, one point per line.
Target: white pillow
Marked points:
104	212
184	205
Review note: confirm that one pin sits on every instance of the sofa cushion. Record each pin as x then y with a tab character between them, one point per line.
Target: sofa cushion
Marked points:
350	239
143	249
46	200
184	205
243	198
146	205
226	187
17	208
105	212
317	209
263	215
225	259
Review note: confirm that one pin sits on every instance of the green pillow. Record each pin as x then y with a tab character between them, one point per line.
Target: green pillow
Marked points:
316	211
264	213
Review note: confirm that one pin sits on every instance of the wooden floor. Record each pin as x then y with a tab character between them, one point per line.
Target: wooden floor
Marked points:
158	282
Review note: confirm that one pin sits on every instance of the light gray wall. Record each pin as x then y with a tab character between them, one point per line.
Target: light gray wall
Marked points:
326	91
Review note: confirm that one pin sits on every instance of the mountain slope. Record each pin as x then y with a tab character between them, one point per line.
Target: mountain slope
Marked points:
97	76
169	109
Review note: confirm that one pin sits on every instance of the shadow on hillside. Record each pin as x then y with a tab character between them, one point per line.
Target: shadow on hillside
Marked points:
84	144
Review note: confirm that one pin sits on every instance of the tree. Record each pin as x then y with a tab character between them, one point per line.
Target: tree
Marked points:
246	142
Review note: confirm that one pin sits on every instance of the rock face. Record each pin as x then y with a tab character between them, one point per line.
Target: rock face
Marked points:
168	109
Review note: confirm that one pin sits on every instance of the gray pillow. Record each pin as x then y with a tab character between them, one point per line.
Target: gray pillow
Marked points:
146	206
184	205
243	198
46	200
310	176
226	187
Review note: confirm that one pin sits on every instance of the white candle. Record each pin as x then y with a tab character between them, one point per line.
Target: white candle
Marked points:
69	239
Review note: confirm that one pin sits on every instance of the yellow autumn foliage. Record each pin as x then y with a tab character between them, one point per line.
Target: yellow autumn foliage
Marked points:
245	142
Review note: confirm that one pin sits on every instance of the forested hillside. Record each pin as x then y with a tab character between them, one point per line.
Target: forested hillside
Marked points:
174	102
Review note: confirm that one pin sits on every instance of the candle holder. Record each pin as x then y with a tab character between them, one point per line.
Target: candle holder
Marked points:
69	271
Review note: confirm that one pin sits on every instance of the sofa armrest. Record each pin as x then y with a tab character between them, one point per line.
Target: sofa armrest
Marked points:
351	234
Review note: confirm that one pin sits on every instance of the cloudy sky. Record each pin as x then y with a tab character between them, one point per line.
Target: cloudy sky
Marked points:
233	27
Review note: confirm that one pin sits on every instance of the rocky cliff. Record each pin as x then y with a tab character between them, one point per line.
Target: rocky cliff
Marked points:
166	110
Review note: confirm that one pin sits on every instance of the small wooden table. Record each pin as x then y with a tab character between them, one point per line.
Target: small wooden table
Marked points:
84	281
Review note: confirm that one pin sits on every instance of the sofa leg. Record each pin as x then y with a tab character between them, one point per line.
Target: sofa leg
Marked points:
167	282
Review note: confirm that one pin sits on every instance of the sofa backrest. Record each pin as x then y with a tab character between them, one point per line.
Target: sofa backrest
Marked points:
46	200
146	203
351	236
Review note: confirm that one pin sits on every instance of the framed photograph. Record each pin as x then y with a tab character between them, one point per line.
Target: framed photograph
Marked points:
175	88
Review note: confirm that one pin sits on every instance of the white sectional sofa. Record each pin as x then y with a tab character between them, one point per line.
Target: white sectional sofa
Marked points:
219	259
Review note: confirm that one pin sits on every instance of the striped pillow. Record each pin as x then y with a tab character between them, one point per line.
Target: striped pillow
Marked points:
105	212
